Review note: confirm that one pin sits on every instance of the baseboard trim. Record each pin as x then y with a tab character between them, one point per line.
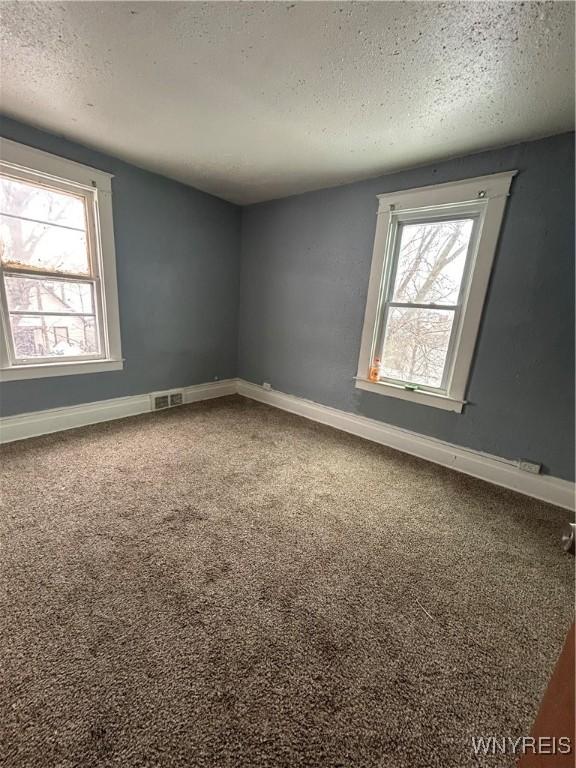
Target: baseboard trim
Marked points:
210	390
490	468
495	470
37	423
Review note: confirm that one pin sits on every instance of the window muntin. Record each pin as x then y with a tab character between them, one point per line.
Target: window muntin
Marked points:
49	270
427	267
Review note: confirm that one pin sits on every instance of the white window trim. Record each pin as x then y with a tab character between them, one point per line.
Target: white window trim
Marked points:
22	158
493	191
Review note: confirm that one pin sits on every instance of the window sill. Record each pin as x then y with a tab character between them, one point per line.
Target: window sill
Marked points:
46	370
415	396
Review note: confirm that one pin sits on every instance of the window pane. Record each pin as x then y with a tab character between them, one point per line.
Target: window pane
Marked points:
31	294
53	336
415	345
43	246
33	201
431	261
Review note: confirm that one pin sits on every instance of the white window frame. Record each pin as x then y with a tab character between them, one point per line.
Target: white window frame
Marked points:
29	164
484	199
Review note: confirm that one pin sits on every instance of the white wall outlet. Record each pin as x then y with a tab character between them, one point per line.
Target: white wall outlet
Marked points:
266	385
529	466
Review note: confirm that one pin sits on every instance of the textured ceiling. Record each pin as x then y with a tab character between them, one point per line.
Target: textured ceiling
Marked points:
252	101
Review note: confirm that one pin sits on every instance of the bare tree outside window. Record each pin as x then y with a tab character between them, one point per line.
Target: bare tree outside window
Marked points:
420	314
43	238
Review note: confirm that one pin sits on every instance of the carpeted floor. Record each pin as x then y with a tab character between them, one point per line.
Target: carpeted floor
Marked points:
225	585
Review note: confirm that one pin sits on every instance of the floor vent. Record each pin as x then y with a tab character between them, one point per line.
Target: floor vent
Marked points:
161	400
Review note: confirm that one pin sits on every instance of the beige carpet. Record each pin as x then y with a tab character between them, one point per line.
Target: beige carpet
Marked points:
228	586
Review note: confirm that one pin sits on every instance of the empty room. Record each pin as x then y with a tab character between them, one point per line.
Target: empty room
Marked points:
287	384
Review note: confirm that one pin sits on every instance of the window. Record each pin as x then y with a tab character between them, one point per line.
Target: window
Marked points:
431	265
58	295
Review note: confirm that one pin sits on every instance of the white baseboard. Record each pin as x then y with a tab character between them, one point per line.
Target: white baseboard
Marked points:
210	390
56	419
491	468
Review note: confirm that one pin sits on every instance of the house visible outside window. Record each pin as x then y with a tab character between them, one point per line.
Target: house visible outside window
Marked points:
58	295
431	266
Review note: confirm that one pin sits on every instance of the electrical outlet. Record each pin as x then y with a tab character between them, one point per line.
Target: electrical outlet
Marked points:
266	385
529	466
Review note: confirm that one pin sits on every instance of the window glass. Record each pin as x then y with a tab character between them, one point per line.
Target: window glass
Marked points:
32	294
431	259
41	203
44	233
41	228
418	318
53	336
416	345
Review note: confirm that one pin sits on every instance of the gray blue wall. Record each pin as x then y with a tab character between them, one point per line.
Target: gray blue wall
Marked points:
305	263
177	258
305	268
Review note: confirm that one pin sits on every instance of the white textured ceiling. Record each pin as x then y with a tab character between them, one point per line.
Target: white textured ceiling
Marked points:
252	101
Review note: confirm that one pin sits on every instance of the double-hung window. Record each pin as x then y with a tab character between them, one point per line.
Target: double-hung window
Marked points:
431	266
58	295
